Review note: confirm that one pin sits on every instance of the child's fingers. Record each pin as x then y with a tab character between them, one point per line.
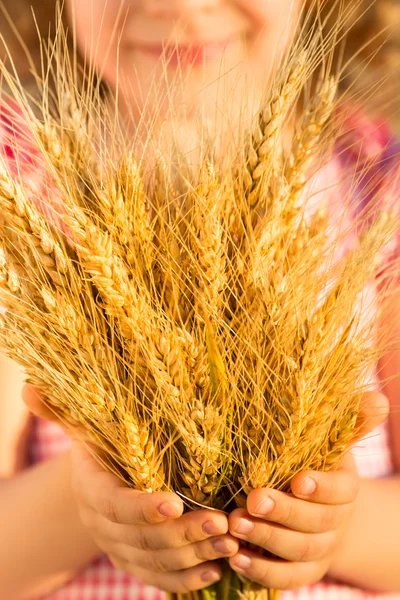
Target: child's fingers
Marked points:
276	574
190	528
291	512
177	559
180	582
333	487
107	495
125	506
284	543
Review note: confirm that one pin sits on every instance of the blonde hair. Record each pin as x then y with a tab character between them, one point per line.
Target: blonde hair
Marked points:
28	17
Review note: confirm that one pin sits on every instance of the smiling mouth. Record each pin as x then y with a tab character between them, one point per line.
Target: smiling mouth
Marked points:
193	55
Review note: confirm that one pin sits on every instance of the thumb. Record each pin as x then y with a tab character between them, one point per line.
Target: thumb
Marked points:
374	410
33	398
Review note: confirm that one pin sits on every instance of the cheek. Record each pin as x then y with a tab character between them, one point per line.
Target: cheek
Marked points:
96	23
274	26
274	22
264	12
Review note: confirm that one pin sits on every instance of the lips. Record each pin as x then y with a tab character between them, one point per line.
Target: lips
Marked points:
186	55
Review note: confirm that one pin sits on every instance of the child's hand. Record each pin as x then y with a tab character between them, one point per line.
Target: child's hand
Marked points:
174	553
303	528
170	551
146	535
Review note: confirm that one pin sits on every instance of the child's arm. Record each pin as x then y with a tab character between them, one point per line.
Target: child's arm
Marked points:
39	524
368	556
43	540
46	537
389	372
369	553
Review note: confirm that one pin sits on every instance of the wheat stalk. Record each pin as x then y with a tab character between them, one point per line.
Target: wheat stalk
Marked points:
266	140
197	324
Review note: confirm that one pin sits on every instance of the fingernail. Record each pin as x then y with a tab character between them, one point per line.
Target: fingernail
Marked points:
221	547
308	487
210	576
170	509
210	528
266	506
242	562
244	527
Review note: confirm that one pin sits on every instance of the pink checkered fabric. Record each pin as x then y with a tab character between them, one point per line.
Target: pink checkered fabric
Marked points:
101	581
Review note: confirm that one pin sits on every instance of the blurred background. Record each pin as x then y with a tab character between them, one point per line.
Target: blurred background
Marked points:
20	13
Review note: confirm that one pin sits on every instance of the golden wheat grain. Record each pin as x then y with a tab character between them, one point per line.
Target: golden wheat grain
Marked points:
11	282
307	140
208	244
21	216
139	455
198	424
214	345
97	401
284	214
296	413
100	260
266	143
126	212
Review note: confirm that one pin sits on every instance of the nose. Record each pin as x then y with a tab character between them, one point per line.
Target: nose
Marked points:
175	8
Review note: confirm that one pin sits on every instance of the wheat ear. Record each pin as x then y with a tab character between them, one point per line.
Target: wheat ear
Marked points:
21	216
266	144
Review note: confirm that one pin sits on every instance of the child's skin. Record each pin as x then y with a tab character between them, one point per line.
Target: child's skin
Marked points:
317	531
249	33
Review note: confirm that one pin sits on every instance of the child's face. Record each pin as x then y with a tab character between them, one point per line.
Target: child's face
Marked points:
206	38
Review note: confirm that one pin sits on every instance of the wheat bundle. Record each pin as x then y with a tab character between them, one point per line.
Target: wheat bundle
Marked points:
201	326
